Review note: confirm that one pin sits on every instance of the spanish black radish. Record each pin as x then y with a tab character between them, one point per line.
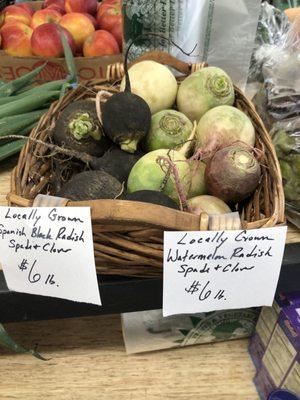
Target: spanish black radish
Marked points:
126	117
91	185
78	128
116	162
151	196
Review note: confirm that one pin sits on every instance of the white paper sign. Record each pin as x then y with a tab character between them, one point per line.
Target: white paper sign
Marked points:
49	251
218	270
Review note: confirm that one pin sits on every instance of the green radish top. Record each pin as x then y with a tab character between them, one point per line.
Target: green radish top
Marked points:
83	125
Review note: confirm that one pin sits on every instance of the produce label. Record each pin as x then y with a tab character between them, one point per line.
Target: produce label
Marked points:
218	270
49	251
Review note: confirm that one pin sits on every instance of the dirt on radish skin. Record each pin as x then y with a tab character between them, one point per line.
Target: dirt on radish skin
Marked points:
232	174
149	173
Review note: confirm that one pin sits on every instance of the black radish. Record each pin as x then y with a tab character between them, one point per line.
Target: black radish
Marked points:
91	185
78	128
126	117
116	162
151	196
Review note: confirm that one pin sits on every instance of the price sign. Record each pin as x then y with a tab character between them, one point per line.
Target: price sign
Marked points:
49	252
218	270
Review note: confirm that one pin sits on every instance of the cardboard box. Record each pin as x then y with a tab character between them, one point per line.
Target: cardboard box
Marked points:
266	324
280	366
88	68
145	331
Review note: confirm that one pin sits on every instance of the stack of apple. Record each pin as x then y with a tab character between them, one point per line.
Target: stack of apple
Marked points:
92	29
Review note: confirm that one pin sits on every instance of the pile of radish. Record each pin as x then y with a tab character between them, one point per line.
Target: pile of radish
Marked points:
185	146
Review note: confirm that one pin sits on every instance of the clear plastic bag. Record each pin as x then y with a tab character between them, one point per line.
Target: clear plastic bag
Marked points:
224	31
278	103
272	28
286	138
284	4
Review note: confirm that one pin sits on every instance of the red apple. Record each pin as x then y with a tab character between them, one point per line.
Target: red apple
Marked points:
81	6
100	43
46	40
54	7
117	32
58	5
27	7
79	26
109	15
45	16
15	13
92	19
16	39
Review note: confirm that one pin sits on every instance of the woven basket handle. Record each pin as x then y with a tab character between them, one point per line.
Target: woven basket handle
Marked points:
116	71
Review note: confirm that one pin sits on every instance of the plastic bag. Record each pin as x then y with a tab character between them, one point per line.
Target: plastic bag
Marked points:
224	31
286	138
284	4
278	103
272	28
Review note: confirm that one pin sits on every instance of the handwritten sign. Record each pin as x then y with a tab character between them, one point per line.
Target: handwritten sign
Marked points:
217	270
49	252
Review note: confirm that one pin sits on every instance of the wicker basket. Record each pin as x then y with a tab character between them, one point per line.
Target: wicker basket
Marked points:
128	236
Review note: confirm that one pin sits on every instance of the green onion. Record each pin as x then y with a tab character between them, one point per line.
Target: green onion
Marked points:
11	148
69	60
29	103
8	342
11	87
54	85
23	132
14	124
